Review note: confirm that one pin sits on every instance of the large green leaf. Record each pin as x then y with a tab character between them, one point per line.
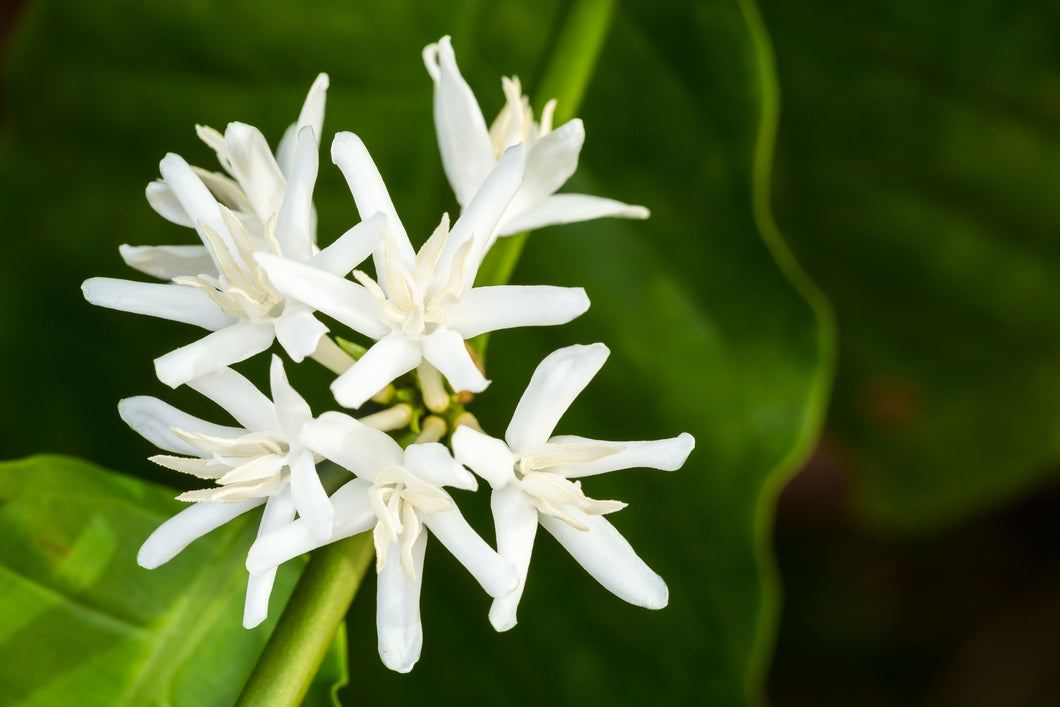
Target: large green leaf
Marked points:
918	181
708	332
81	622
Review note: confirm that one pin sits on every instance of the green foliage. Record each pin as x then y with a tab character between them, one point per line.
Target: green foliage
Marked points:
708	334
917	179
80	620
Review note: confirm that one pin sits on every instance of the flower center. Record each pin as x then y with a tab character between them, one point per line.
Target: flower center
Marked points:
400	499
555	495
245	467
242	287
515	123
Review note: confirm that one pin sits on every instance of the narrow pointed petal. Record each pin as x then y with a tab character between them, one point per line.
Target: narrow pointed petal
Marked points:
190	524
177	303
196	200
558	380
309	496
361	449
312	113
479	219
279	511
610	559
397	616
217	350
666	454
240	399
346	301
488	457
353	515
255	168
568	208
298	331
291	409
516	522
463	138
168	261
387	359
550	162
154	420
366	184
351	248
495	574
434	464
484	309
445	350
295	224
165	203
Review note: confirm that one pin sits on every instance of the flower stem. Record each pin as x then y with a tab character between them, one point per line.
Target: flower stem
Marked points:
581	38
305	630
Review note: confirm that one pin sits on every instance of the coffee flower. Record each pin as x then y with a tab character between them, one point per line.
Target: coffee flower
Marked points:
261	462
531	475
399	495
422	306
470	150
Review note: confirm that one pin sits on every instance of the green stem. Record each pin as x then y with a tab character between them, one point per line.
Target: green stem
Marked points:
305	630
581	38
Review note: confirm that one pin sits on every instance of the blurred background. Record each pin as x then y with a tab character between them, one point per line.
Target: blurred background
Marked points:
914	178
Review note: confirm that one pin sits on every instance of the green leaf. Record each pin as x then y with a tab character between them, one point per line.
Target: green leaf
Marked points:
708	333
918	181
81	622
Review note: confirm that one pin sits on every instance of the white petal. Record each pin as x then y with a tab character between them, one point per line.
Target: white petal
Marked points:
154	419
165	203
484	309
291	409
516	522
493	572
608	557
295	226
387	359
568	208
309	496
359	448
434	464
354	515
346	301
255	168
556	382
665	454
196	200
190	524
488	457
298	331
178	303
366	185
463	138
279	511
240	399
479	219
168	261
351	248
221	348
550	162
444	349
397	617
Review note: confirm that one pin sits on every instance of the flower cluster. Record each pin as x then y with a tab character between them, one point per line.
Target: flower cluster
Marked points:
259	277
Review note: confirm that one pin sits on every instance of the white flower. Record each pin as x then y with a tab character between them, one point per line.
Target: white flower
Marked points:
422	306
262	461
254	189
239	305
531	473
399	495
470	150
